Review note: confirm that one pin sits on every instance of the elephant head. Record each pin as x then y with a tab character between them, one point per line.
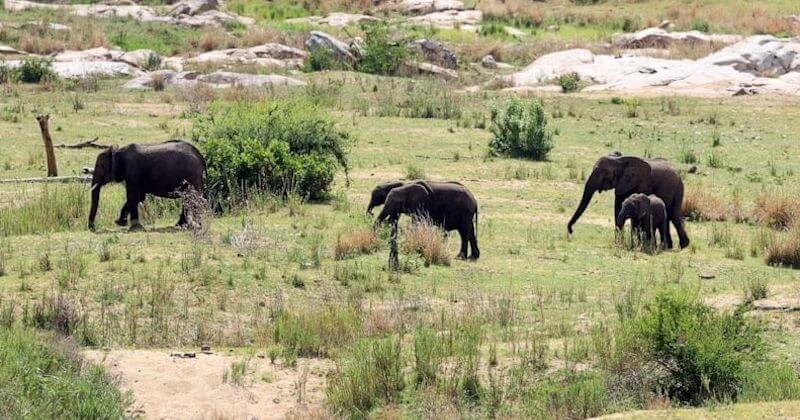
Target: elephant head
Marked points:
379	194
624	174
107	168
412	199
635	207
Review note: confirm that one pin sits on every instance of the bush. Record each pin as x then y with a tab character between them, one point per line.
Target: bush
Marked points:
284	147
314	331
152	63
569	82
687	350
358	241
520	130
322	59
370	377
701	206
381	54
35	70
785	251
427	240
776	211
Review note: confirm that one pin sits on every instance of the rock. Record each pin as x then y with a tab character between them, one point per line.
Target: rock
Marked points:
706	276
489	62
83	69
5	50
214	18
436	53
23	5
553	28
451	19
432	69
665	25
338	49
137	58
193	7
660	38
137	12
336	19
421	7
205	348
759	55
267	55
516	33
227	79
55	27
358	48
93	54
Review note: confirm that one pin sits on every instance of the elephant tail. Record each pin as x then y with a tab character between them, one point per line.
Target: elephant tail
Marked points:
476	221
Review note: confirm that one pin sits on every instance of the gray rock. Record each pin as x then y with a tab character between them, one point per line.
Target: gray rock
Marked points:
339	50
431	69
336	19
137	58
436	53
219	79
489	62
267	55
193	7
467	20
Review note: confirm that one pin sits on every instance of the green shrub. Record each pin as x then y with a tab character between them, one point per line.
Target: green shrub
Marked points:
569	82
567	396
370	377
381	54
688	350
152	63
35	70
520	130
322	59
284	147
44	378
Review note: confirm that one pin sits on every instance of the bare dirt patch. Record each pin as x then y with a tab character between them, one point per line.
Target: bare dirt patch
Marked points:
169	387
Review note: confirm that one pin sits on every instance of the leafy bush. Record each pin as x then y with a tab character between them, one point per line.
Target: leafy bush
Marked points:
688	350
322	59
35	70
569	82
520	130
152	63
284	147
381	54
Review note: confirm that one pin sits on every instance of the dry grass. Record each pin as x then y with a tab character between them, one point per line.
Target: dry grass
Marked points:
700	206
776	211
214	39
357	242
785	250
427	240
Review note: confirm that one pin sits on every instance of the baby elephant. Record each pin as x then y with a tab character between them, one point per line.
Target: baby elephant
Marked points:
648	214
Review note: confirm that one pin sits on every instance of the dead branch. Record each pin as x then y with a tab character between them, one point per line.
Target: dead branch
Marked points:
51	179
83	144
52	169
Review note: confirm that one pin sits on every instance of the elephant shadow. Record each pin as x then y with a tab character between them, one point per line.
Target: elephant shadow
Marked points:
163	229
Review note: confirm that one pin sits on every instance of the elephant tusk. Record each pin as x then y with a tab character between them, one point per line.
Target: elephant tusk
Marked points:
95	186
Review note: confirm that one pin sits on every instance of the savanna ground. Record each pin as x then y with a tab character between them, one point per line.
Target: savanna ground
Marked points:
281	289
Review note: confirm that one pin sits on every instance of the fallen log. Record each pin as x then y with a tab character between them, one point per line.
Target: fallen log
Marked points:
83	144
51	179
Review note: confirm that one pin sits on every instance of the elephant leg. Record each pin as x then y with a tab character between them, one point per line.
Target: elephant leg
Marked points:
394	261
462	254
677	221
617	207
133	208
123	216
473	242
662	231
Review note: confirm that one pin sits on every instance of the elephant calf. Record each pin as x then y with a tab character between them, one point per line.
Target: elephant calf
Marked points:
449	205
164	170
647	214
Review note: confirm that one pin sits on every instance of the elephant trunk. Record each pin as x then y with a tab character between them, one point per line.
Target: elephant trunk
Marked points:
95	202
588	191
621	218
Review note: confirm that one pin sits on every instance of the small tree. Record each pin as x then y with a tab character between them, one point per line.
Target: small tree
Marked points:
381	54
520	130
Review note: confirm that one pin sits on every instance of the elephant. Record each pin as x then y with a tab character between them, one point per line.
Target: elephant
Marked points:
449	205
648	214
629	175
379	193
164	170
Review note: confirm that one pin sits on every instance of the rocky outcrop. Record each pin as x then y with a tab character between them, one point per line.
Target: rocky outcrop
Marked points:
467	20
489	62
5	51
430	69
436	53
661	38
422	7
339	50
138	58
219	79
93	54
739	66
267	55
336	19
189	13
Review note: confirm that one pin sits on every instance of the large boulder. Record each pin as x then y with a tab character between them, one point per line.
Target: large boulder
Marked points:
759	55
451	19
661	38
213	18
193	7
421	7
219	79
92	54
83	69
137	58
5	51
435	52
430	69
339	50
165	77
267	55
336	19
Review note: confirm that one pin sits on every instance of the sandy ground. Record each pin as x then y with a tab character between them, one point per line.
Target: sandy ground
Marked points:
166	386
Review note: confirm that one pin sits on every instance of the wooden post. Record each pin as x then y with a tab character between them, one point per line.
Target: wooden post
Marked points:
52	169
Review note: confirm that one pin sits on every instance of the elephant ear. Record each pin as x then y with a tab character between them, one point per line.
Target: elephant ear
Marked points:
634	171
117	165
427	187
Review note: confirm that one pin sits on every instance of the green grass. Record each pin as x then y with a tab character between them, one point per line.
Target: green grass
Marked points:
44	377
537	299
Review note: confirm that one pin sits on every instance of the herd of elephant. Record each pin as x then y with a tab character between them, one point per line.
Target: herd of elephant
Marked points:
649	192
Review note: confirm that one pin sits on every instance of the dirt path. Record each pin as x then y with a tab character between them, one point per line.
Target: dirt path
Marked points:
166	386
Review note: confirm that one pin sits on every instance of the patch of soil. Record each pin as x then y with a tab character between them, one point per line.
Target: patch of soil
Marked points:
170	387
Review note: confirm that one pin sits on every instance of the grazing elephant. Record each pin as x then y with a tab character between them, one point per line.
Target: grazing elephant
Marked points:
648	214
379	193
629	175
449	205
164	170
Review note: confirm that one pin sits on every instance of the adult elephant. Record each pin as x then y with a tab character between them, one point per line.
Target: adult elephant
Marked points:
164	170
629	175
449	205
